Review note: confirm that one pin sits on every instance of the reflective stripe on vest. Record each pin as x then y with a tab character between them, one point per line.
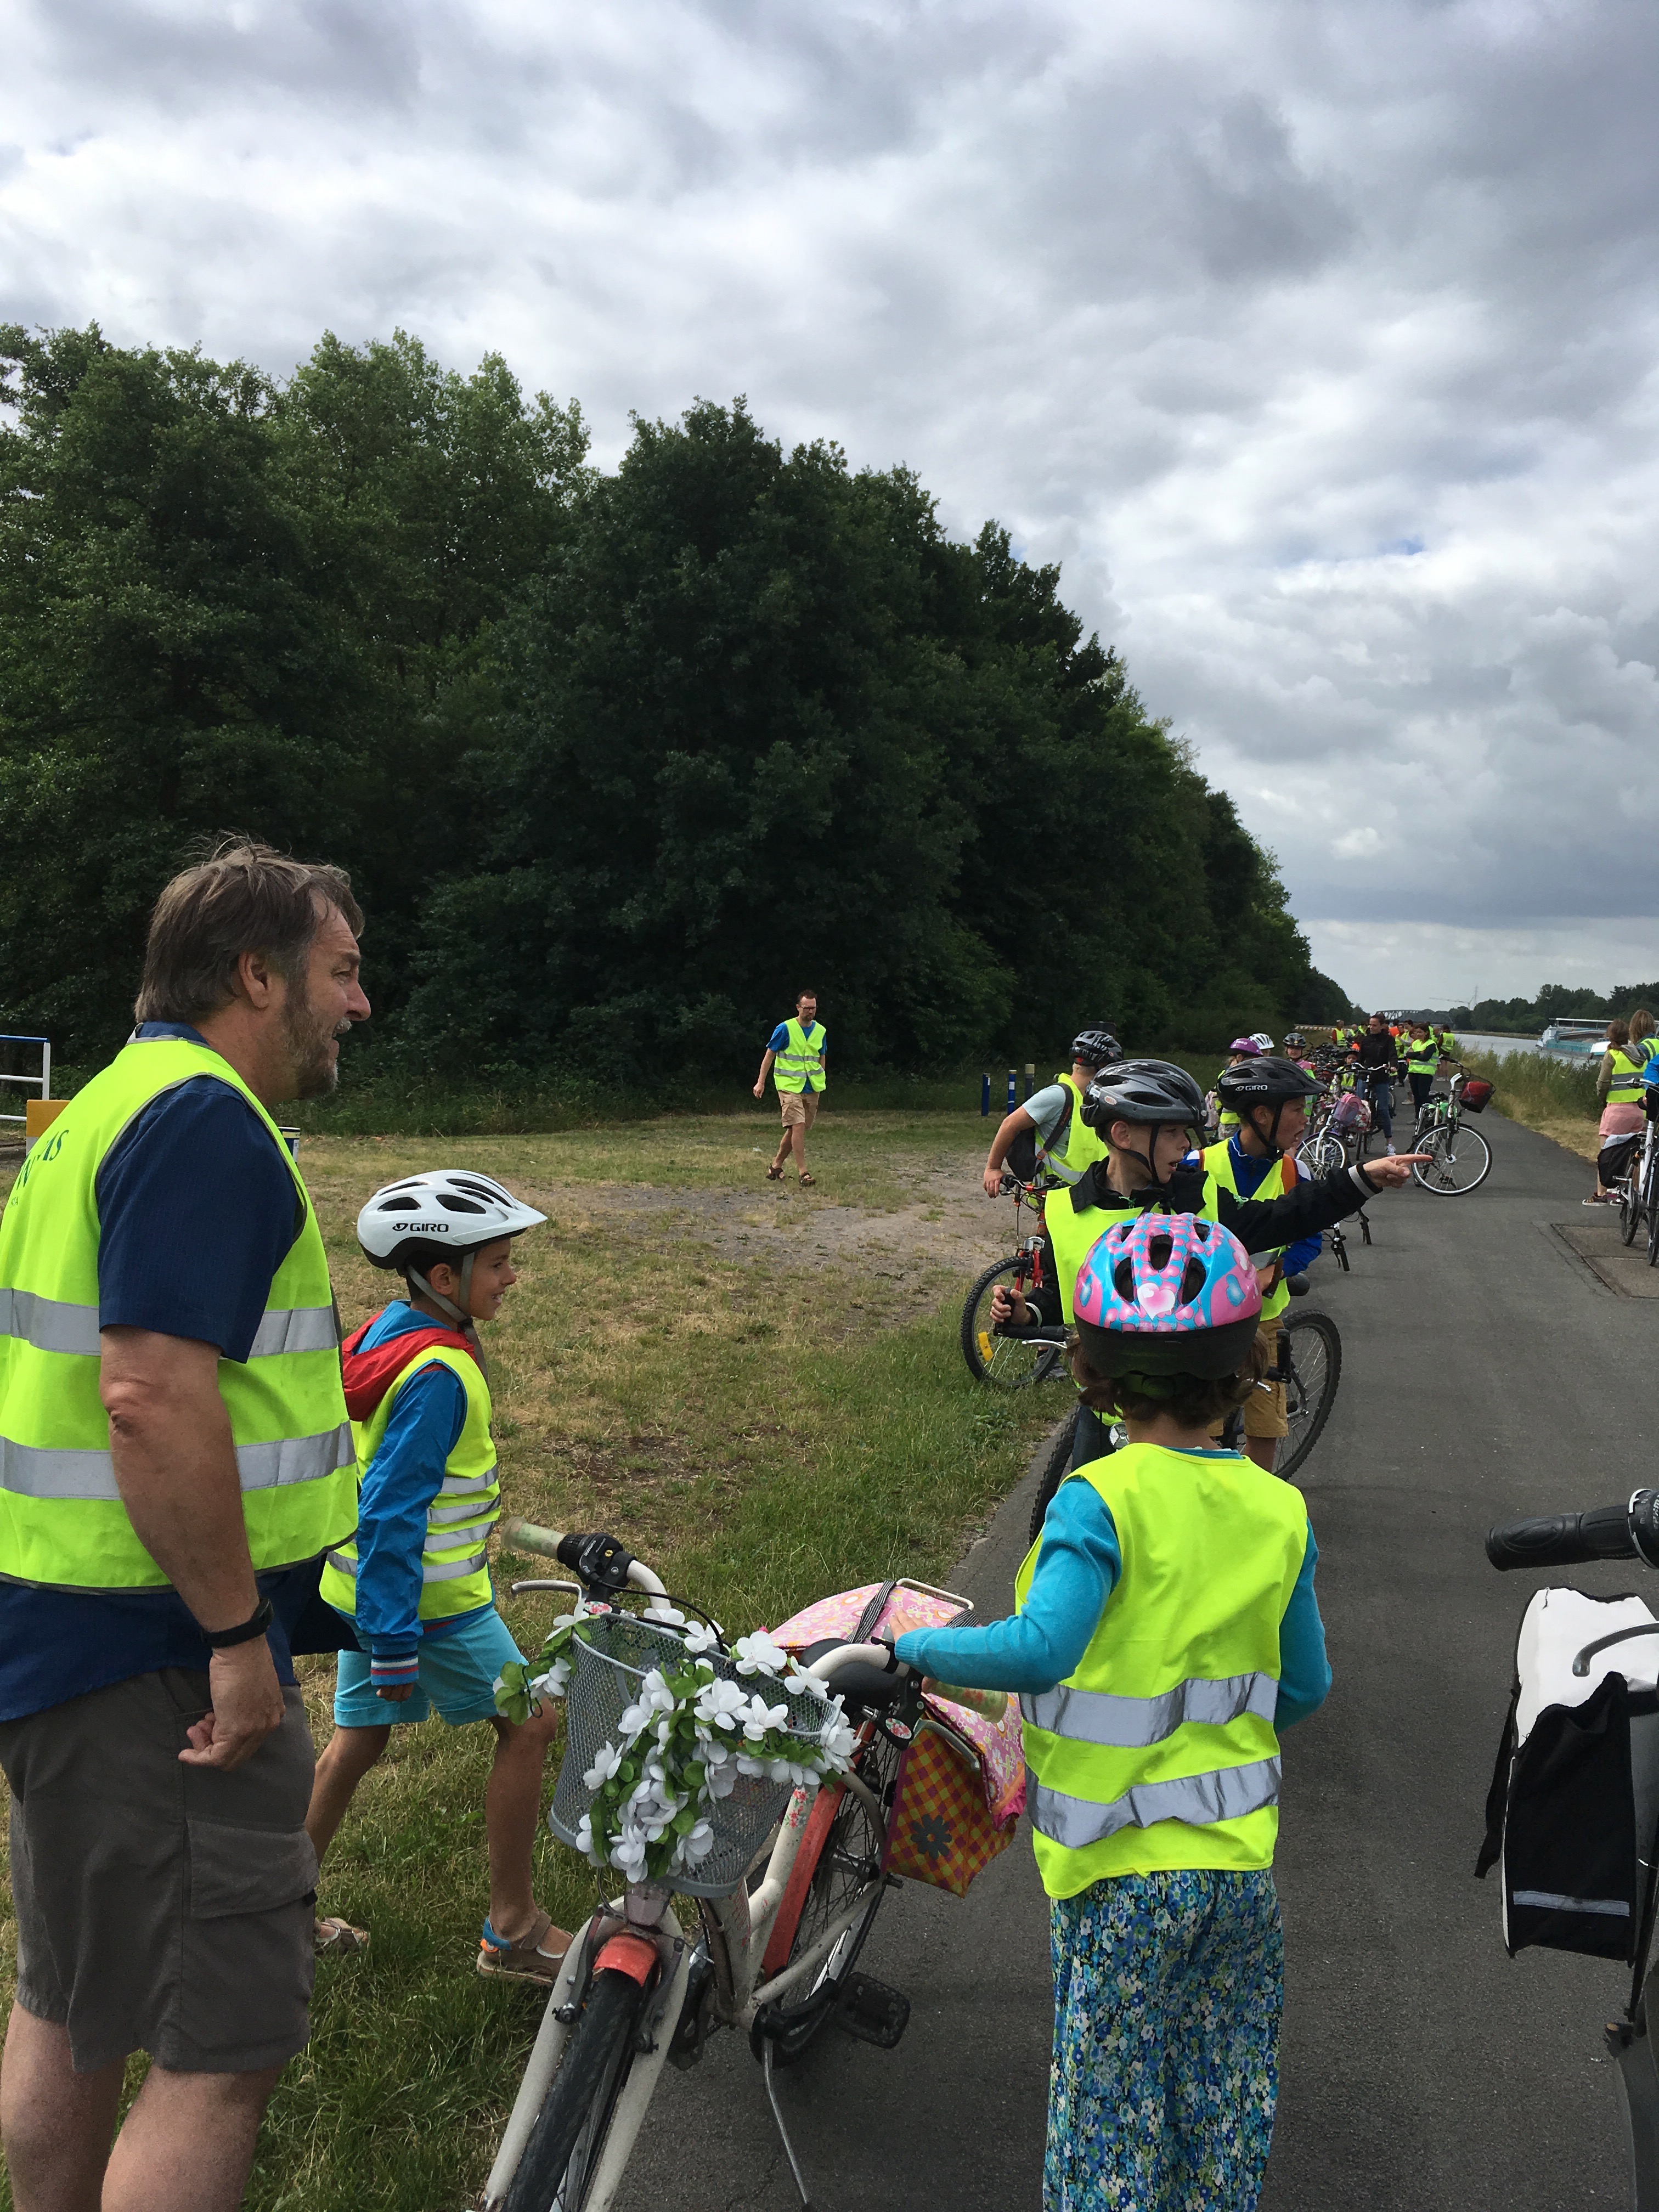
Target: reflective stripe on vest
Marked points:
63	1524
801	1060
454	1572
55	1325
1159	1751
1200	1800
1625	1088
1099	1716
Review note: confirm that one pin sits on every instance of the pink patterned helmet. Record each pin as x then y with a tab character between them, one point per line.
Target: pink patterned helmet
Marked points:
1167	1294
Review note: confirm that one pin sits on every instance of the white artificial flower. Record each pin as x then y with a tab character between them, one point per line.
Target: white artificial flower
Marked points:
762	1718
721	1704
759	1654
748	1765
838	1739
606	1759
668	1614
665	1729
699	1637
628	1856
722	1780
555	1682
697	1843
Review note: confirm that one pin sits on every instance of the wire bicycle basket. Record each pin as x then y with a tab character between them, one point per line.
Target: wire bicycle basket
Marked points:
610	1657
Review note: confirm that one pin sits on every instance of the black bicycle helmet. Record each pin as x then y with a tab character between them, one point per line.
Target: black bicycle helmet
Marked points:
1096	1048
1144	1091
1265	1081
1294	1042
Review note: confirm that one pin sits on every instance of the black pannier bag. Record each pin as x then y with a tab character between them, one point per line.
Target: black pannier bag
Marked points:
1617	1157
1021	1157
1574	1765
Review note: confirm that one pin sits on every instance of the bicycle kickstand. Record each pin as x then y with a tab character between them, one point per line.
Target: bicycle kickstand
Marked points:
783	2133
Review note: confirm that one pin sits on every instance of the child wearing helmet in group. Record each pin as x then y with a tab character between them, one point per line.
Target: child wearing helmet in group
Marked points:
1219	1116
1166	1631
414	1581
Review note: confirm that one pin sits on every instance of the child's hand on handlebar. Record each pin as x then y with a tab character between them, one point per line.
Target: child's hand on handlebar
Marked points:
1008	1304
992	1180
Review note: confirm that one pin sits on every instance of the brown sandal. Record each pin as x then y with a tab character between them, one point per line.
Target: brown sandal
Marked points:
525	1960
774	1174
807	1181
332	1937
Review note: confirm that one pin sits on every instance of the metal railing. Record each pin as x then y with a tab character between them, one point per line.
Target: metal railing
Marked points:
42	1083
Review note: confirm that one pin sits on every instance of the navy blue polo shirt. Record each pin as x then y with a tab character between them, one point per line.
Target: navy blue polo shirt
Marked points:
196	1212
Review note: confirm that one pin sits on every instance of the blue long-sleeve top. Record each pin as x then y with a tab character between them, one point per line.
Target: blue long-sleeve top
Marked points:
1076	1571
1250	1173
399	1485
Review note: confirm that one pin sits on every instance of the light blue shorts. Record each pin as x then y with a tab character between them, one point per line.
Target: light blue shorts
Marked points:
458	1675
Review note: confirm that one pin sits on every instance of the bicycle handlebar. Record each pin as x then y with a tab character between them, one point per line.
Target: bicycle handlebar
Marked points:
598	1561
1630	1531
990	1704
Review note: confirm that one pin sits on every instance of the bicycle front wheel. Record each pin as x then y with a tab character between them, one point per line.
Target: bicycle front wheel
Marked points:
1460	1160
1630	1208
1325	1155
847	1861
1316	1363
1008	1361
562	2154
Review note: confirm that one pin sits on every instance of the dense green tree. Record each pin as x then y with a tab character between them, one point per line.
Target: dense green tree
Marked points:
619	761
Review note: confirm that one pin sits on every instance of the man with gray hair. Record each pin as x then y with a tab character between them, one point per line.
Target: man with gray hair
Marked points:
174	1458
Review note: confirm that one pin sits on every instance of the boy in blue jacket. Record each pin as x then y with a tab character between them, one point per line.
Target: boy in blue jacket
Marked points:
414	1581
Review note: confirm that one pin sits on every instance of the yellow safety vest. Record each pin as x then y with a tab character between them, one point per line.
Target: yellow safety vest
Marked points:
455	1577
1627	1088
1074	1233
1160	1751
62	1521
1423	1056
801	1061
1220	1170
1080	1145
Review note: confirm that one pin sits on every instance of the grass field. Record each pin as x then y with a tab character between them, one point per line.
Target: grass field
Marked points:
1556	1099
760	1388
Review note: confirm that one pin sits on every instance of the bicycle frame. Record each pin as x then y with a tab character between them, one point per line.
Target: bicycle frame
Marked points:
735	1929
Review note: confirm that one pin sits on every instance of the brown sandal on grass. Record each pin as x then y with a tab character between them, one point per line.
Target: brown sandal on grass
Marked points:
524	1960
774	1174
335	1938
808	1181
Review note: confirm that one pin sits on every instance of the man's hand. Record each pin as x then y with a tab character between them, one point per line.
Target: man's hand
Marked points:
248	1707
992	1180
1008	1304
1393	1174
394	1693
760	1088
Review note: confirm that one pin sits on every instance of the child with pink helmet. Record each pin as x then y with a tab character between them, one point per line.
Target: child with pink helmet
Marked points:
1167	1631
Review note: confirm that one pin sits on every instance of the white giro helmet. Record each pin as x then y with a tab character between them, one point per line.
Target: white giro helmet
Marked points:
1260	1037
449	1207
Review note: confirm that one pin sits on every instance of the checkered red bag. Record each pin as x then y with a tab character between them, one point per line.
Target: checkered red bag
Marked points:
941	1830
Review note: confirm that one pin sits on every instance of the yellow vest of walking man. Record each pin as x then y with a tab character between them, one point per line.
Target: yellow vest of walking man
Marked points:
174	1458
795	1057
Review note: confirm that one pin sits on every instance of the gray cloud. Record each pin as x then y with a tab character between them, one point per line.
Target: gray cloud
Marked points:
1317	344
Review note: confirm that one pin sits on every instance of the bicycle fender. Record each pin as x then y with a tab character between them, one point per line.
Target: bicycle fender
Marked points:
627	1953
825	1806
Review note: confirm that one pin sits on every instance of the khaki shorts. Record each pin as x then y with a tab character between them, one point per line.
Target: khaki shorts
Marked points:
799	1106
1264	1409
161	1907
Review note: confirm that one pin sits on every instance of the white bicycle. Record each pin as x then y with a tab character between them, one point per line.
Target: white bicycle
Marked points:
785	1900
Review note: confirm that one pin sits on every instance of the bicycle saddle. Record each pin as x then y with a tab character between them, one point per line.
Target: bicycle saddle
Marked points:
864	1687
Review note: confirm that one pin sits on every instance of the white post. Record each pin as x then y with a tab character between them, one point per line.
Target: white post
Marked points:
46	1068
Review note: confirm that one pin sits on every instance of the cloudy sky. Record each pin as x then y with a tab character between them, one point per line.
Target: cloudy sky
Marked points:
1317	342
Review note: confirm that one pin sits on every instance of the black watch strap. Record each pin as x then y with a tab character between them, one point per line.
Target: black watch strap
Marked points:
221	1639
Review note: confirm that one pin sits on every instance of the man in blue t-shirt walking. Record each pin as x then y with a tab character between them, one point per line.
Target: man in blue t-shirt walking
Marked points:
795	1056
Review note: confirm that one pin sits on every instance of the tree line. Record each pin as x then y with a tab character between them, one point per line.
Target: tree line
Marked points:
618	760
1554	1002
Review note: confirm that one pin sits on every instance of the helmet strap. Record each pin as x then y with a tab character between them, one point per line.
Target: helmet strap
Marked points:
459	1314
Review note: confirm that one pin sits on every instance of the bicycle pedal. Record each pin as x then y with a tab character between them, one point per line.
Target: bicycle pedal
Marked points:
872	2012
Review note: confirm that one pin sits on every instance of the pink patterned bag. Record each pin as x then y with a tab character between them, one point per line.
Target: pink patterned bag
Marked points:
997	1744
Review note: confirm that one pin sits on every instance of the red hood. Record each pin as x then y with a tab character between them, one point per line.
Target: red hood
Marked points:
369	1374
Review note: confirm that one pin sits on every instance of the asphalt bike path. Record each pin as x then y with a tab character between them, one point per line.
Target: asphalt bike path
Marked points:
1488	1372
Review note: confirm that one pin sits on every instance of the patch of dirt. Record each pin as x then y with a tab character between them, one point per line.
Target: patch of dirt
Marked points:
949	1226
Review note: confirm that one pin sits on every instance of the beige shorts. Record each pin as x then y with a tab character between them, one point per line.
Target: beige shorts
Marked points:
1264	1409
799	1106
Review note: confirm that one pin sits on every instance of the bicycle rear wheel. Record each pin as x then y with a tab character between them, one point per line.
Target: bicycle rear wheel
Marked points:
1325	1155
1053	1472
1652	1210
562	2154
1460	1161
1629	1207
849	1857
1316	1363
1009	1362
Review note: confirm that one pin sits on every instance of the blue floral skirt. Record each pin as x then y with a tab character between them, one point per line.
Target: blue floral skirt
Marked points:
1167	1990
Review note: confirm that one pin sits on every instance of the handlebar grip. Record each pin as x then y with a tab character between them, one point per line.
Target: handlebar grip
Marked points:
1565	1539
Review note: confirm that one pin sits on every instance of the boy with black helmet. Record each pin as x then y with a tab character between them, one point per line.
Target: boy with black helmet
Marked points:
1047	1134
414	1580
1145	1111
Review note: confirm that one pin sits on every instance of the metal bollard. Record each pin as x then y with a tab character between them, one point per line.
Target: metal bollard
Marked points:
1030	1077
985	1093
1013	1089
